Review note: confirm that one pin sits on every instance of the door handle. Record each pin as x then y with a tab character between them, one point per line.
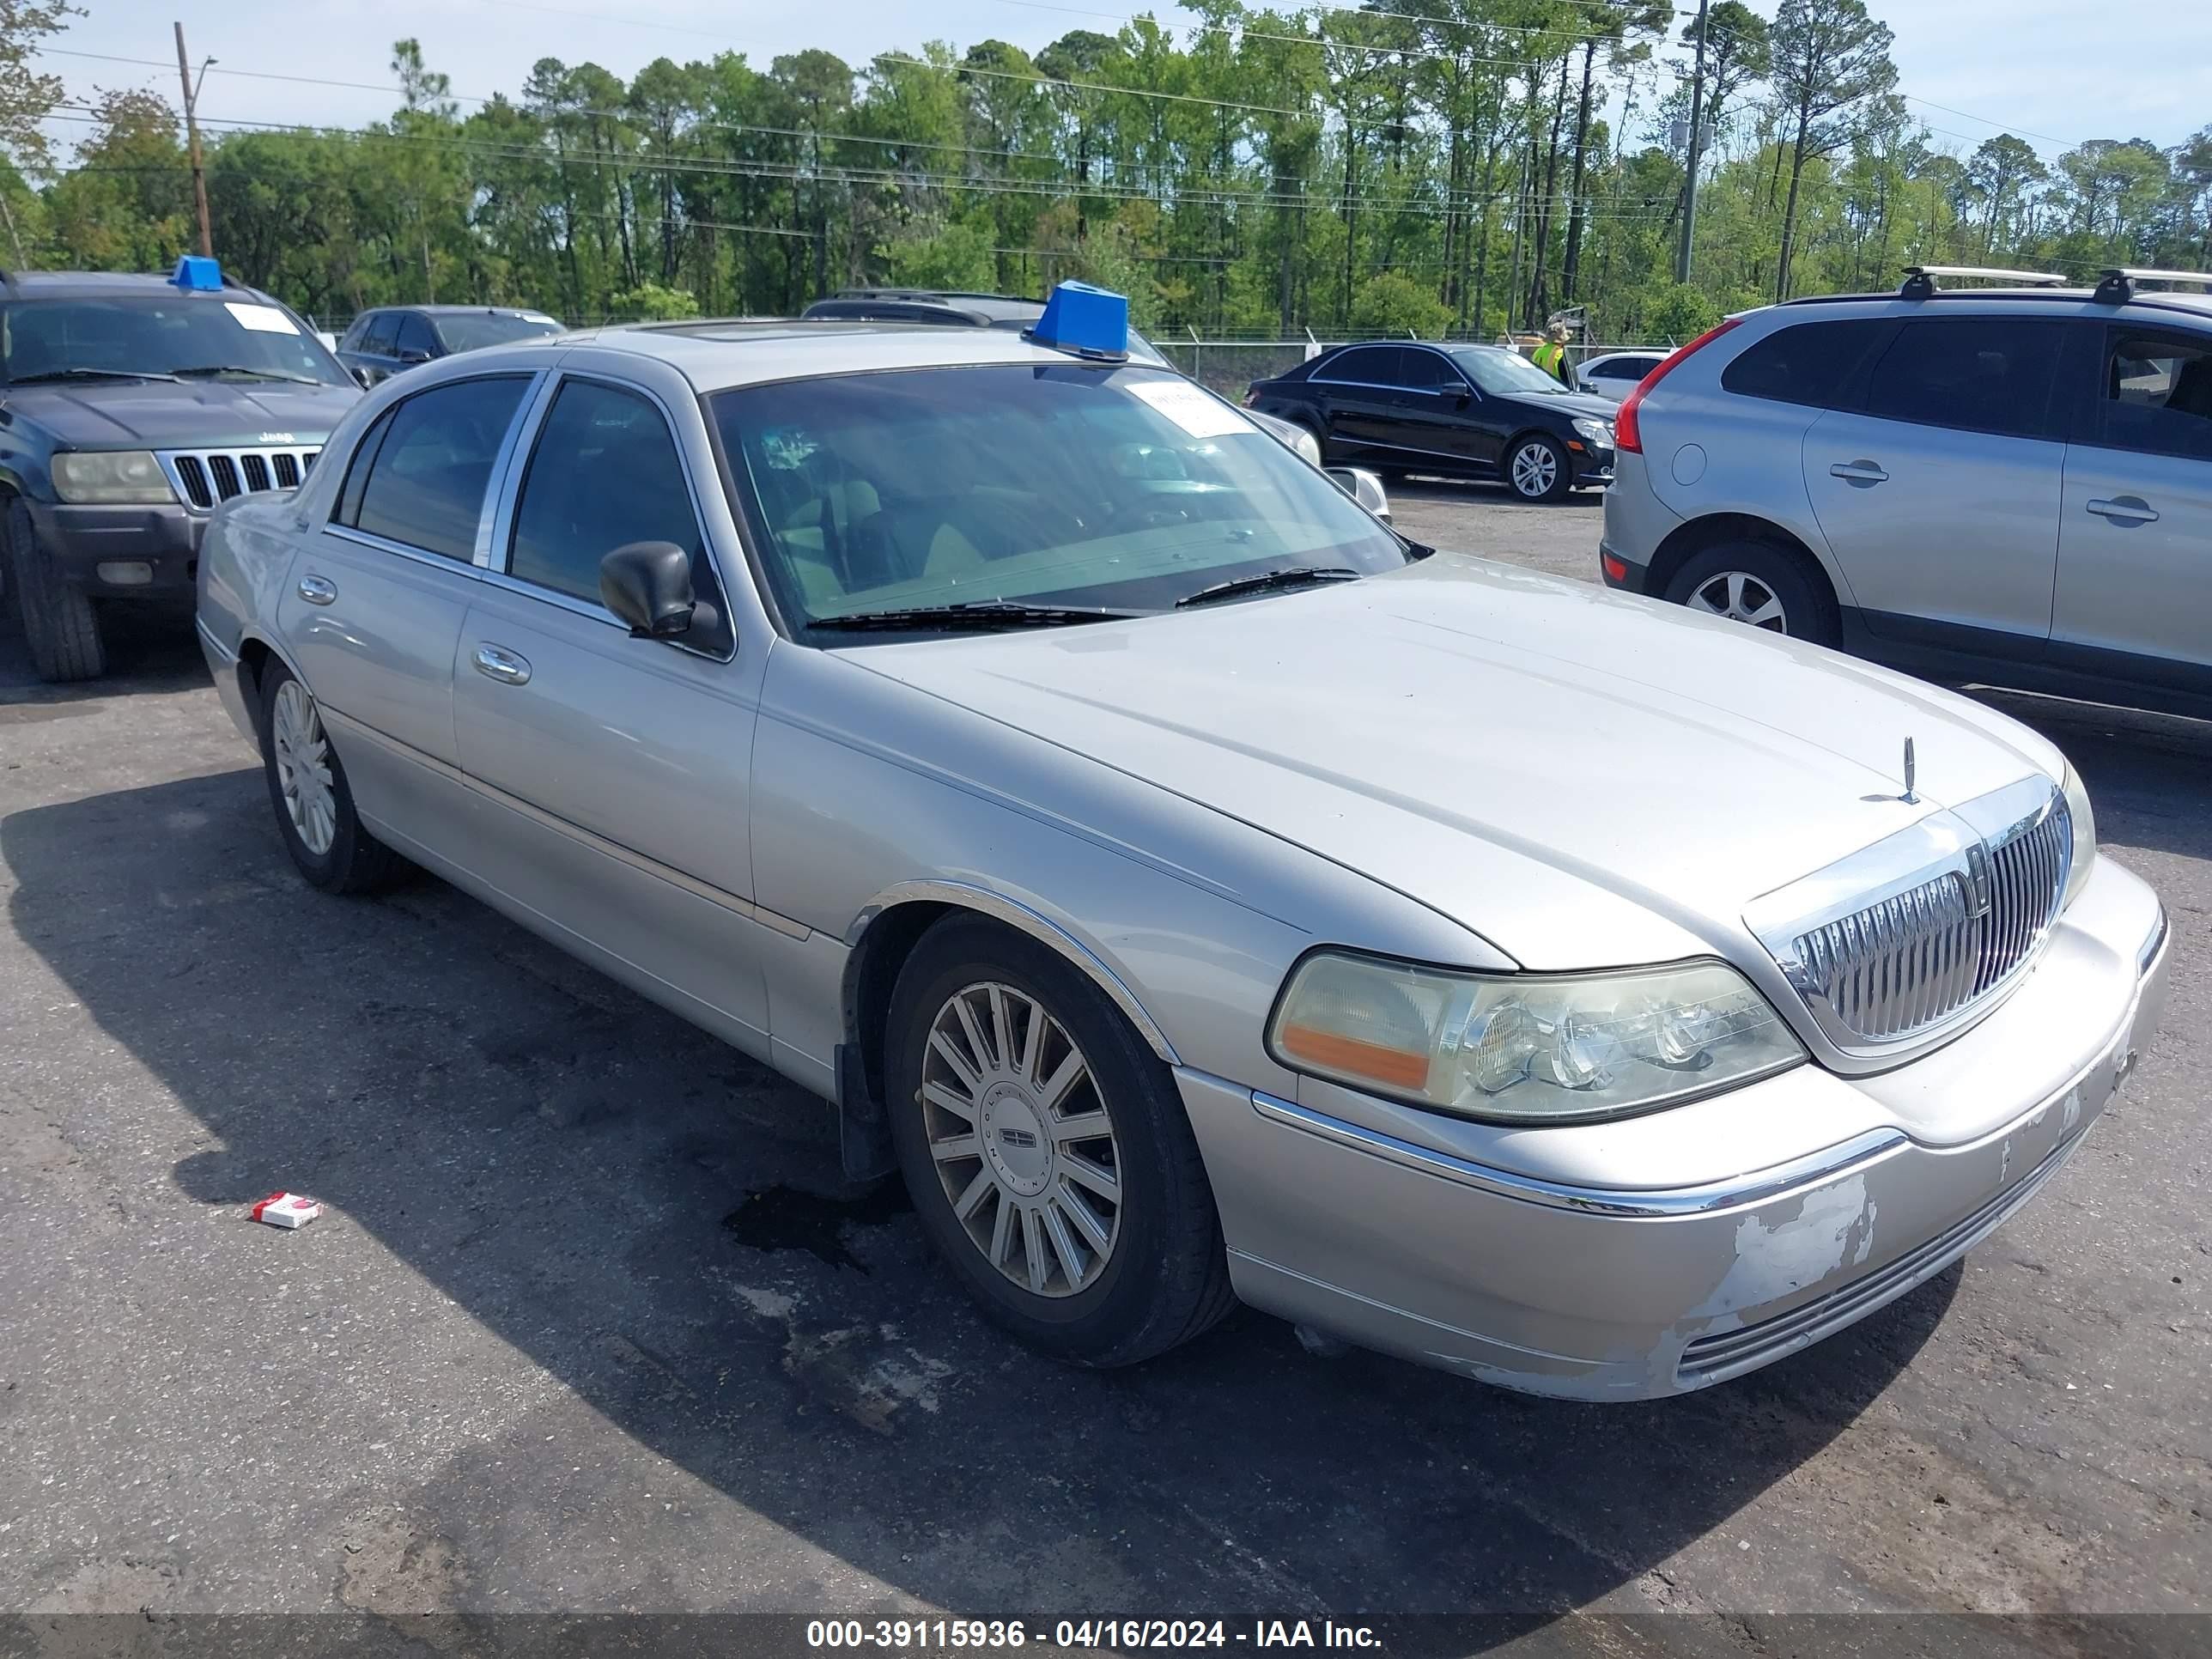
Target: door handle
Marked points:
2125	509
317	591
1858	472
497	662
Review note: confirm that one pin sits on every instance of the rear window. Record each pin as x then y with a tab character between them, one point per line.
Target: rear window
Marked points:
1810	363
1971	373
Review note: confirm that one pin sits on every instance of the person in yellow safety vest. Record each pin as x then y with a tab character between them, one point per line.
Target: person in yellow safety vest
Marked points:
1551	354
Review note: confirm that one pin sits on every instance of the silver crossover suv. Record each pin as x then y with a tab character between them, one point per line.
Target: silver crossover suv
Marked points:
2012	485
1195	889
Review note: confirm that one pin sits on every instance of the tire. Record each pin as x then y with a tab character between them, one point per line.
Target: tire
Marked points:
59	624
1163	1276
1537	469
1759	583
327	839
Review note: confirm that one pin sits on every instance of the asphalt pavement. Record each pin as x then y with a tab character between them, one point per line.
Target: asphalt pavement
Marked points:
590	1326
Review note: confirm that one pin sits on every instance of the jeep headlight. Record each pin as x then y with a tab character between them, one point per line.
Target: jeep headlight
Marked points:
1596	432
2084	820
1528	1047
110	477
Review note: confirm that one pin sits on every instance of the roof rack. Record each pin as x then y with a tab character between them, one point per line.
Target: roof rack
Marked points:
1920	280
2117	284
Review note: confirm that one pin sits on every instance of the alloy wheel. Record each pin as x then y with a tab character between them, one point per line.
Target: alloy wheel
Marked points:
1740	596
1536	470
303	768
1021	1139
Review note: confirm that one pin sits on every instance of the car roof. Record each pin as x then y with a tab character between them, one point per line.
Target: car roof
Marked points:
96	284
2194	305
716	355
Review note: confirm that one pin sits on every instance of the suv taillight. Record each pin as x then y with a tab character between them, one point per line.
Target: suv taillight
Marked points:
1624	433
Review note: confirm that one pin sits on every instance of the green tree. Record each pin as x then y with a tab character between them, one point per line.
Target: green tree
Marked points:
1826	57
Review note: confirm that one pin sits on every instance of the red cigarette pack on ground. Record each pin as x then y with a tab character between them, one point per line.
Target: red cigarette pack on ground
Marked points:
287	1210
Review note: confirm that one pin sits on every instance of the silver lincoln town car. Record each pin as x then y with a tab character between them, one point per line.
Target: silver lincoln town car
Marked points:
1196	891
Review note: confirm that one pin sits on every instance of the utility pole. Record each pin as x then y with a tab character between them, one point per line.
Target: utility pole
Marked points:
192	138
1695	151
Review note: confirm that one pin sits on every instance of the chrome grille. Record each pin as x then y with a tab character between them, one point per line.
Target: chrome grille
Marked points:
1901	939
203	477
1920	956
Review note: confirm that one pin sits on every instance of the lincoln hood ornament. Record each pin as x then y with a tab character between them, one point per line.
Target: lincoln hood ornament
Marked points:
1908	797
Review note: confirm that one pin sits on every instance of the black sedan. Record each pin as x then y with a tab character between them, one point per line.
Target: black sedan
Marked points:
1465	411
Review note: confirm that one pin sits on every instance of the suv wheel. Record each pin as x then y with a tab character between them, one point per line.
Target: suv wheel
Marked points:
1047	1151
1538	470
59	624
1750	582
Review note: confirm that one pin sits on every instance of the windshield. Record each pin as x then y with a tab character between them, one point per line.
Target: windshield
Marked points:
466	331
1507	373
1125	488
160	334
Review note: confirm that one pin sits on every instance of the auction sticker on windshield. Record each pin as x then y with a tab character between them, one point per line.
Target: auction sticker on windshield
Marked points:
262	319
1196	412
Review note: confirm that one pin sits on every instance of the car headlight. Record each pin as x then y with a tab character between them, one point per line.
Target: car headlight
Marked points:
112	476
2085	835
1596	432
1528	1048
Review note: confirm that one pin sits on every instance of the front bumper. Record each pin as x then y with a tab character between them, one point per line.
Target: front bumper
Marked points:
1621	1290
121	552
1592	466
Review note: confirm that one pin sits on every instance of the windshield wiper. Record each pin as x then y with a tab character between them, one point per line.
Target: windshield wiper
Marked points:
235	368
1296	576
977	613
89	375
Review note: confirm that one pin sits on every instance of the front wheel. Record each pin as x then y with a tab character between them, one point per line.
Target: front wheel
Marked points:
59	624
315	803
1047	1151
1538	470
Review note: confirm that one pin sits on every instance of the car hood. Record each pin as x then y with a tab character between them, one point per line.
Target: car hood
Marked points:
195	415
1586	405
1581	778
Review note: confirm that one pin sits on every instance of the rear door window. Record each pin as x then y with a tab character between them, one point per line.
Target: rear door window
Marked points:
1364	365
2157	394
1816	364
425	484
1992	375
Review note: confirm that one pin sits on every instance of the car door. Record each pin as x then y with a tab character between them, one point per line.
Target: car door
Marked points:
2134	537
616	768
1358	391
1437	428
1938	494
374	603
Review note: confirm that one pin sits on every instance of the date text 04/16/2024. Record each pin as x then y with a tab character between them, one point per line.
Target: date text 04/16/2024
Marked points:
915	1635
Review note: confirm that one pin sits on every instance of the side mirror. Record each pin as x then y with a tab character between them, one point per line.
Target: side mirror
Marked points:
366	375
412	355
647	585
1362	486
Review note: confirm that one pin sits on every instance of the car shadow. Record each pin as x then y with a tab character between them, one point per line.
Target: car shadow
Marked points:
571	1167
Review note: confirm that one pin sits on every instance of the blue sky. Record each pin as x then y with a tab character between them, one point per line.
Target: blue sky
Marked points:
2061	71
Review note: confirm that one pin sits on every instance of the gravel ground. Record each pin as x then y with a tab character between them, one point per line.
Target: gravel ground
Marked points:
551	1350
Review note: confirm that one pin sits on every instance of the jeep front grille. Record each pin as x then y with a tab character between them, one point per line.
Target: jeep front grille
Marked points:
205	477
